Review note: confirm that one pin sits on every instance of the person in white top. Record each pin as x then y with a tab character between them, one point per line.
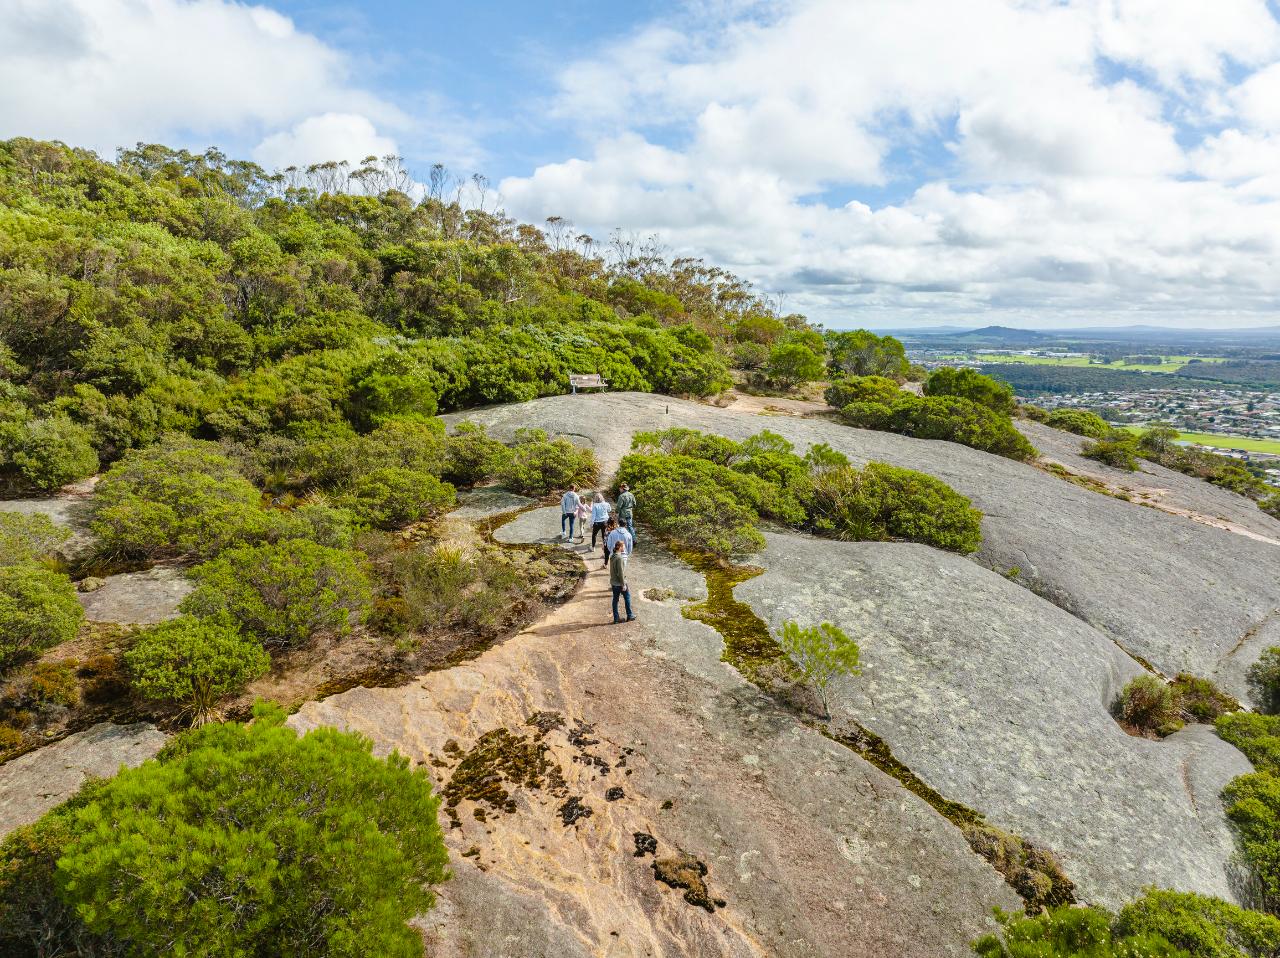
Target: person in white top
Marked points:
584	517
599	516
568	511
619	533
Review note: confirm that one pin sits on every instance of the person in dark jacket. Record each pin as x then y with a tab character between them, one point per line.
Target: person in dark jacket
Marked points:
618	581
626	509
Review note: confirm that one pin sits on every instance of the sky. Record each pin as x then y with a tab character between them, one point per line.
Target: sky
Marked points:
883	163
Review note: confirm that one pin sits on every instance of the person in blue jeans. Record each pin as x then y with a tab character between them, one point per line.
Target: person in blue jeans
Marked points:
618	580
568	511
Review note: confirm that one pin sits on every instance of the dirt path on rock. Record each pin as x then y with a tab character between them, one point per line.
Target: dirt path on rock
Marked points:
563	751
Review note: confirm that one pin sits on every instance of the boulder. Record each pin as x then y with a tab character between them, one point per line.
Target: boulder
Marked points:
137	598
1001	701
35	782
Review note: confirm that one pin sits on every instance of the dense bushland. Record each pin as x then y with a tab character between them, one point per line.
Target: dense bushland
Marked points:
1080	421
1253	801
169	292
247	840
709	493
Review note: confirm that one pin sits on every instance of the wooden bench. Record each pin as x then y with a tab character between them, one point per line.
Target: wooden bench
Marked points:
586	381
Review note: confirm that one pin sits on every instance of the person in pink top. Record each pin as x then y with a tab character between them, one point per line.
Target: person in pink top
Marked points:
584	513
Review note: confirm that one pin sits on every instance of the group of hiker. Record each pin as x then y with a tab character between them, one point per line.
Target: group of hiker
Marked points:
615	527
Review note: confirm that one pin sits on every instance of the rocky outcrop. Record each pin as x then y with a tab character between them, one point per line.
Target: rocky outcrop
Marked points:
1001	701
1176	593
137	598
32	784
788	843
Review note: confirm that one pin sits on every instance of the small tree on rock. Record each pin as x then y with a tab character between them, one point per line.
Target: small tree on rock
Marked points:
820	654
195	662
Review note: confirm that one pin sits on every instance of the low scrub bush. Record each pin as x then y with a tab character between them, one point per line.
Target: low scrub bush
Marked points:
26	538
692	502
848	389
1264	678
1253	806
283	594
949	418
194	663
1257	736
53	683
180	497
38	610
1119	453
1079	421
882	502
968	383
793	363
1203	927
245	840
1200	699
1150	706
538	465
390	498
1160	924
471	455
43	455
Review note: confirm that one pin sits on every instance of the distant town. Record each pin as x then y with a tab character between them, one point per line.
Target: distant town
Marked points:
1136	390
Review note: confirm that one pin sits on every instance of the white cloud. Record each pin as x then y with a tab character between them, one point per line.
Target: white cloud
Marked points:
1042	148
107	73
329	136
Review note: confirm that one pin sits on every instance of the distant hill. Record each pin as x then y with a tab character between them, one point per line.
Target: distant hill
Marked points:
1006	335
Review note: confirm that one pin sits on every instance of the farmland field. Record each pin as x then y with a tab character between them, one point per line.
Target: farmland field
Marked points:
1171	365
1227	442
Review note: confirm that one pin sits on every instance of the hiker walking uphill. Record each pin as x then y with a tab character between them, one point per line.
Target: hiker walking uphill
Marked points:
569	503
584	517
615	533
627	511
599	517
618	581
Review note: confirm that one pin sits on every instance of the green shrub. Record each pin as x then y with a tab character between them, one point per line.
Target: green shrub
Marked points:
325	525
750	355
180	497
390	498
251	840
792	363
687	500
679	441
472	456
441	587
862	353
194	662
1271	505
1079	421
1119	453
1158	440
1257	736
26	538
38	610
1147	704
968	383
1203	927
1264	678
539	465
1029	411
1068	932
34	919
820	654
950	418
1253	806
848	389
46	454
284	593
884	502
1200	699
